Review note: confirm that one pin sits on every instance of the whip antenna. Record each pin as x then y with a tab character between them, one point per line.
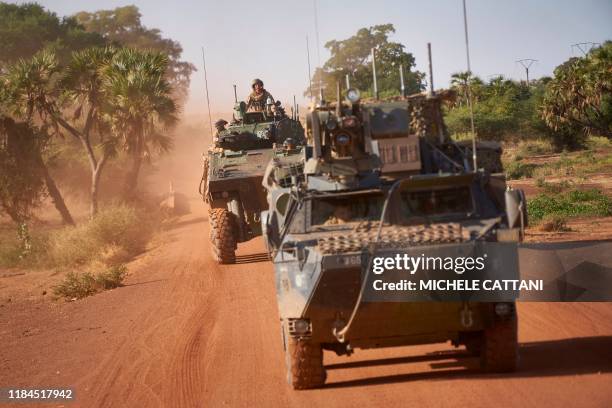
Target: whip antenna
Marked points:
469	89
309	75
207	97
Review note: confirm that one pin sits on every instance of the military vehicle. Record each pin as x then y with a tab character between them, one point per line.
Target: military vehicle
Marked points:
233	171
380	178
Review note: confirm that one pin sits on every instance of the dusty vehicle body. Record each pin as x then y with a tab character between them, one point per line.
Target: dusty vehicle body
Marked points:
380	179
233	171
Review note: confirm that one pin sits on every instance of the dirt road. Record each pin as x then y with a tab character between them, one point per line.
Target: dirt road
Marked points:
186	332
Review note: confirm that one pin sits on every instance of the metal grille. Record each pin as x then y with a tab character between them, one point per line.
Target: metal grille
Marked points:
393	237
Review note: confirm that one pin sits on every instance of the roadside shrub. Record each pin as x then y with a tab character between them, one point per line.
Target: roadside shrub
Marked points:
116	229
535	148
80	285
598	142
19	250
517	170
573	203
554	223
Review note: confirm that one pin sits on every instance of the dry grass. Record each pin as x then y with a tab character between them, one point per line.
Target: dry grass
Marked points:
80	285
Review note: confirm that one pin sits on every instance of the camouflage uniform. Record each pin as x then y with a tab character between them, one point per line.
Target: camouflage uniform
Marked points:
256	102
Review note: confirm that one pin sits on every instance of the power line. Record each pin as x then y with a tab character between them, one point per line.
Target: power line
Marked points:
527	63
584	47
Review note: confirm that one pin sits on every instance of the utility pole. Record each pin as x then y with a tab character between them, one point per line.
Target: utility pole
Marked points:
584	47
526	63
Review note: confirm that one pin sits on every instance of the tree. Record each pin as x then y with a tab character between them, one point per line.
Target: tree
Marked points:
29	90
579	97
124	27
501	107
140	106
22	184
352	57
28	28
82	90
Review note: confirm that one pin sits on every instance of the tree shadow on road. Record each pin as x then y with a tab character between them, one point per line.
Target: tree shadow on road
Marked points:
575	356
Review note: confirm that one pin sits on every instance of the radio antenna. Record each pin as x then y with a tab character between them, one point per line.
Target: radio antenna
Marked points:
316	23
207	96
309	74
375	89
469	90
402	85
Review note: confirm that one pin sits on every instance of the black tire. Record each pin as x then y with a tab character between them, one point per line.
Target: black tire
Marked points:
304	361
500	352
222	237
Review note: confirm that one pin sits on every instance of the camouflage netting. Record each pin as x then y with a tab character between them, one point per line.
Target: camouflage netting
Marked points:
395	236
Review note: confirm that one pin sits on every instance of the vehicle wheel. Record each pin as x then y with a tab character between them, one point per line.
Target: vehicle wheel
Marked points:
222	235
500	347
304	361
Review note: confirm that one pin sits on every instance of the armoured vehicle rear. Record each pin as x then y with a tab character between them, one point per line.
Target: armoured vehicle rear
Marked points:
380	180
233	171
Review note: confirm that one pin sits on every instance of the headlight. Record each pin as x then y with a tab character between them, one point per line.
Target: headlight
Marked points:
342	139
353	95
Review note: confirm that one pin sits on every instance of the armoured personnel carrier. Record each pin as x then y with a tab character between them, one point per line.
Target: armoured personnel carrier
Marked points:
381	179
233	171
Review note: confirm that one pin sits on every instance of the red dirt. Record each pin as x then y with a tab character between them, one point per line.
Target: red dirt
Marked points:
186	332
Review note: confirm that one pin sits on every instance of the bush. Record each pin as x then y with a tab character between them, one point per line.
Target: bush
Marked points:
117	228
517	169
78	286
554	223
574	203
535	148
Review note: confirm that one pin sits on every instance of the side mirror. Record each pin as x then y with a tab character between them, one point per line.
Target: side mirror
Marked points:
269	229
516	209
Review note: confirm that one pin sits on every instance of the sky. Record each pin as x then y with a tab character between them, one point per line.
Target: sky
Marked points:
267	39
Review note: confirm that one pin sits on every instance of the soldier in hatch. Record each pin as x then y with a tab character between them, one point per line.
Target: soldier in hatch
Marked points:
257	100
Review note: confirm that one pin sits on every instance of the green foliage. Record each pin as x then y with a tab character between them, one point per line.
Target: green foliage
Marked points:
578	100
352	56
501	107
554	188
28	28
78	286
123	26
517	170
535	148
117	227
573	203
22	186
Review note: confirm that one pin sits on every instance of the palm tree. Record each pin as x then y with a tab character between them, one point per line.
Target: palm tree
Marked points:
140	106
82	88
29	93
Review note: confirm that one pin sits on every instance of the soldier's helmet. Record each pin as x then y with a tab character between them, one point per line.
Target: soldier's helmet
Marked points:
257	81
220	124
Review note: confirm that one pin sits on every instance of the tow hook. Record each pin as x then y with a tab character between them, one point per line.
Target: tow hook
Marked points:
467	318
